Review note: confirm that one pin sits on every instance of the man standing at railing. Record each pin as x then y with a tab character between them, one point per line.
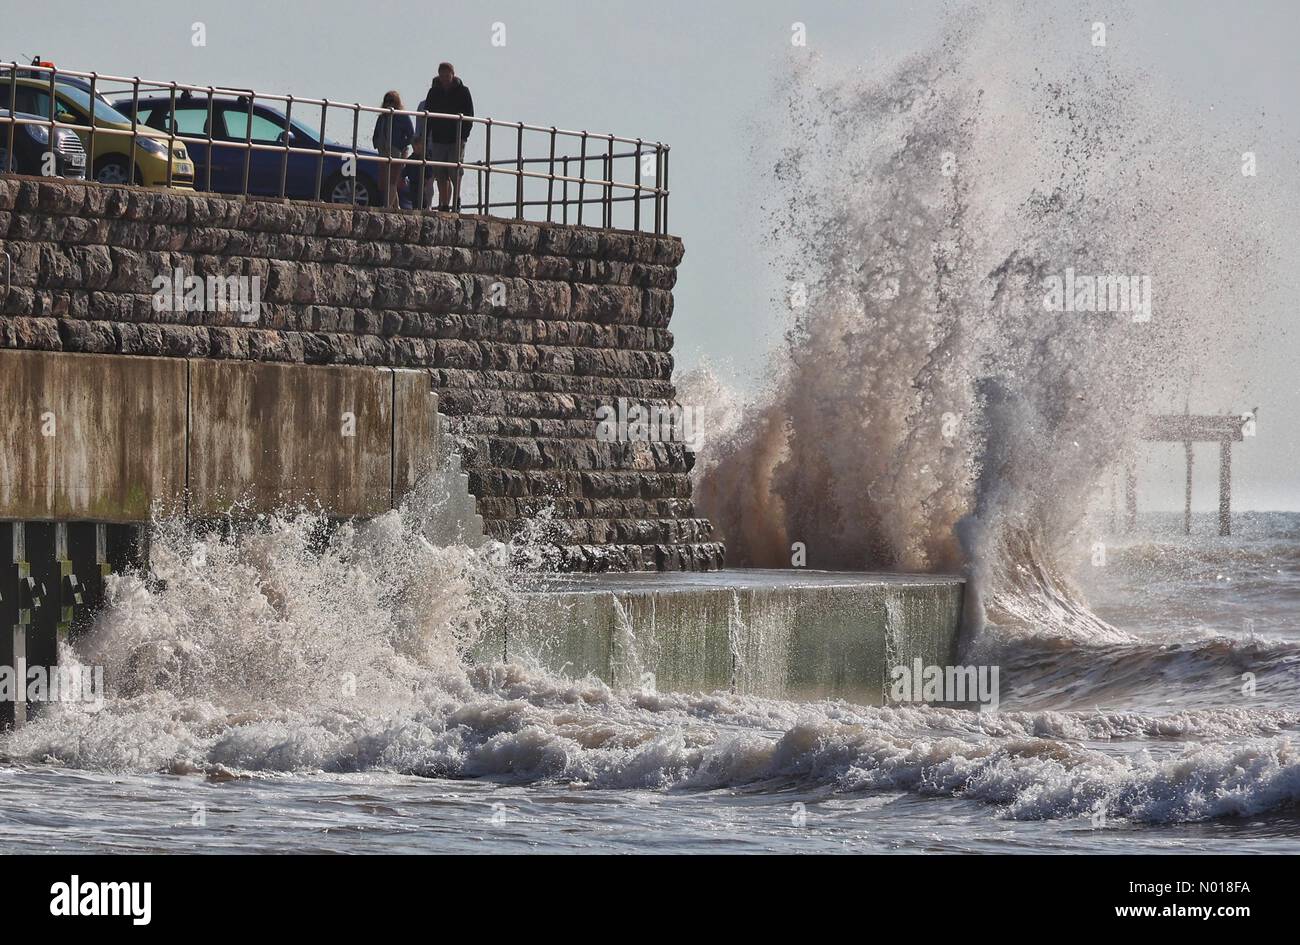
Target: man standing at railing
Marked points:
443	139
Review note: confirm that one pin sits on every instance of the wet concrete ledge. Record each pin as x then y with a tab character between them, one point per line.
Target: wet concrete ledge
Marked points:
794	634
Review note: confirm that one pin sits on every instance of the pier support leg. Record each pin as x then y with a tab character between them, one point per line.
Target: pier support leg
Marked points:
45	543
1187	503
52	580
17	597
88	555
1225	487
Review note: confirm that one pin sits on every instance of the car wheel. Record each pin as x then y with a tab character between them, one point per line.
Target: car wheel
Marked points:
114	169
338	189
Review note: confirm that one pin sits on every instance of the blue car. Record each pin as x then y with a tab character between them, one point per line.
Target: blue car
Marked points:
222	171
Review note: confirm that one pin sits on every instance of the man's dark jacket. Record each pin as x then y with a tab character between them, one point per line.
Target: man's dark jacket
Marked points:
452	101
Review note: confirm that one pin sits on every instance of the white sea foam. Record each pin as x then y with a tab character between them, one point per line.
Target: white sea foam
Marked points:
235	665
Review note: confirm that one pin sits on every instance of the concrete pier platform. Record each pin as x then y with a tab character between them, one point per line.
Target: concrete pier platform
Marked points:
793	634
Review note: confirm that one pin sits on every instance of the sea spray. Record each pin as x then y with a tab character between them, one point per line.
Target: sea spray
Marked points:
926	410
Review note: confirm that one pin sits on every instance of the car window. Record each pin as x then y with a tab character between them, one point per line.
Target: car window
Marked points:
192	121
77	101
78	116
265	131
33	101
306	135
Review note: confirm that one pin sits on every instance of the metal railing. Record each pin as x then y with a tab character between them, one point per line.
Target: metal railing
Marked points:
627	172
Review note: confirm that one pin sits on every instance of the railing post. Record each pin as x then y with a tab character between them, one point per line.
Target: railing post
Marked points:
248	143
565	190
356	158
666	149
423	128
609	183
320	158
13	118
284	158
606	205
582	176
212	148
54	106
135	126
550	177
94	82
390	187
171	136
519	173
636	199
658	186
487	161
460	163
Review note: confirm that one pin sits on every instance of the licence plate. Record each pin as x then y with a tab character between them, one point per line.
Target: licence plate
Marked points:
76	160
184	167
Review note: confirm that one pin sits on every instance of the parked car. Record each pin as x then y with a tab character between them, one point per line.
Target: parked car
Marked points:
231	117
32	143
111	160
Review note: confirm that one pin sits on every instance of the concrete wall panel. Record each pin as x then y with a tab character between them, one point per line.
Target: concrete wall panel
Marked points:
86	437
270	436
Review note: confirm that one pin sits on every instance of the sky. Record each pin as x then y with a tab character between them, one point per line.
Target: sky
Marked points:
703	77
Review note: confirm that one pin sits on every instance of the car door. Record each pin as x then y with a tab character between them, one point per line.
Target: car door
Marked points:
32	101
191	121
36	101
301	180
263	127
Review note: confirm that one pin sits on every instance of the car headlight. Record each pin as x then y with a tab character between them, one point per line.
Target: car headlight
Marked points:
40	132
152	146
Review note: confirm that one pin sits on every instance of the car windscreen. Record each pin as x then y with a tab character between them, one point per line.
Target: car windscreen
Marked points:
103	110
303	131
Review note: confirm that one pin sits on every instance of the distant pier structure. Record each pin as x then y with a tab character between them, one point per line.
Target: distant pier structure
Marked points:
1188	429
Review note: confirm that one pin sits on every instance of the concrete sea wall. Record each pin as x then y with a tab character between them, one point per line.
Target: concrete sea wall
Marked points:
524	330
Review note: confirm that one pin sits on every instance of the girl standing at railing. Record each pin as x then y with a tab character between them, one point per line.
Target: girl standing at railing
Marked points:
392	138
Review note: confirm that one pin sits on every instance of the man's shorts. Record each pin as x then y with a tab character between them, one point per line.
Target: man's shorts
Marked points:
449	152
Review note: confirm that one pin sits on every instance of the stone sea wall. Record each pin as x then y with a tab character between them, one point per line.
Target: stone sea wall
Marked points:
526	330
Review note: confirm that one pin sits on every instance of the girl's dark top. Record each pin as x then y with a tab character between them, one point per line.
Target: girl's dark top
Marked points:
403	133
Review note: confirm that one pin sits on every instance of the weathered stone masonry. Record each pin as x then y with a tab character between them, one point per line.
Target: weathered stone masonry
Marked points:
526	330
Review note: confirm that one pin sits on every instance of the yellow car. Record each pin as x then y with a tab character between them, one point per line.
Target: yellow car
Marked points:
111	161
